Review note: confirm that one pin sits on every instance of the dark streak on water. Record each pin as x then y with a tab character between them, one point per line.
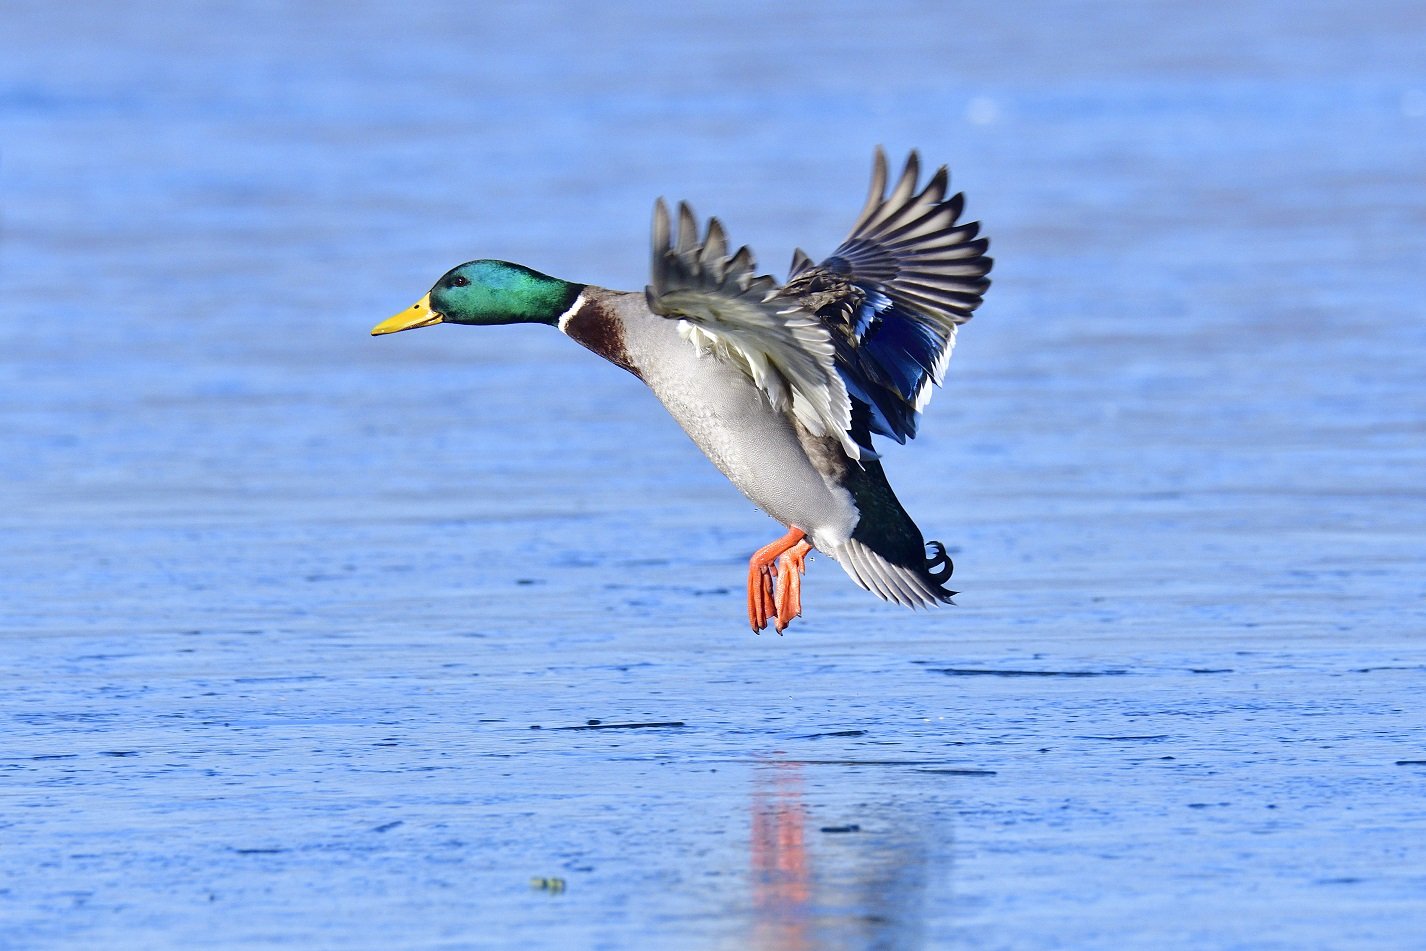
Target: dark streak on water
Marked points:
973	672
620	726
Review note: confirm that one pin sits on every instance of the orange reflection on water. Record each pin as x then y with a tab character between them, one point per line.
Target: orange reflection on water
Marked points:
781	867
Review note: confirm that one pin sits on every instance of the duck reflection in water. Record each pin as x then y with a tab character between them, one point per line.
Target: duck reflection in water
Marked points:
838	881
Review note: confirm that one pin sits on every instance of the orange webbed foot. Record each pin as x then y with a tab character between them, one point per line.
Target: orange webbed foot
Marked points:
765	589
761	604
790	568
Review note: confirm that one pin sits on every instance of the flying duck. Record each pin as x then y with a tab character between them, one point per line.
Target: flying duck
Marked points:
783	386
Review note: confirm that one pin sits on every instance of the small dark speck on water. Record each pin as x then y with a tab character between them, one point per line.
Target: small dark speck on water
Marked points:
823	736
1411	762
259	851
593	722
1210	670
387	827
846	828
118	753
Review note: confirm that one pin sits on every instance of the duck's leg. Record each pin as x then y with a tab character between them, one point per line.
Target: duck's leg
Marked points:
789	583
762	604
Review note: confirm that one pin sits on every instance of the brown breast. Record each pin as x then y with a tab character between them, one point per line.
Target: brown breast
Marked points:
597	328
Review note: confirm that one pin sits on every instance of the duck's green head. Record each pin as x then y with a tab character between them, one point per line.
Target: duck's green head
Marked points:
487	292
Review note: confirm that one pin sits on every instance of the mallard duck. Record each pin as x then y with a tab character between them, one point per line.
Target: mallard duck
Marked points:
781	386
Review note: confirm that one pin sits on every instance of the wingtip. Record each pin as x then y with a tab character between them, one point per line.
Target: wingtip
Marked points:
937	186
687	226
909	175
659	231
876	191
879	173
716	234
800	262
715	250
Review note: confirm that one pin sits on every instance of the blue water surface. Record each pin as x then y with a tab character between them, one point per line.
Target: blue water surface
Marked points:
299	629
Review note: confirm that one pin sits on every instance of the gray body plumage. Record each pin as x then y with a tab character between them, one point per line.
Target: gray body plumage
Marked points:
725	414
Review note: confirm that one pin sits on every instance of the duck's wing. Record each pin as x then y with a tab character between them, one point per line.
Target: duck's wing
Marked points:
894	292
725	308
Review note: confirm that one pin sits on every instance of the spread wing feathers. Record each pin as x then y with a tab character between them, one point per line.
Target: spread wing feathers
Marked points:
726	309
894	292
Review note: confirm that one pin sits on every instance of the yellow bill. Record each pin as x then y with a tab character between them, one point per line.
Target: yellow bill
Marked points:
418	314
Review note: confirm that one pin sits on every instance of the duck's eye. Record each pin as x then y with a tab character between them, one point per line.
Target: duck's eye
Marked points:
459	281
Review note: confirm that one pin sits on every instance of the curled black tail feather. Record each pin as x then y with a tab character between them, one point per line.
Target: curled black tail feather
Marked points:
939	566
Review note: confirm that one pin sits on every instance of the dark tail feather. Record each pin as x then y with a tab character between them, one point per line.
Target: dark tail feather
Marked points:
915	585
